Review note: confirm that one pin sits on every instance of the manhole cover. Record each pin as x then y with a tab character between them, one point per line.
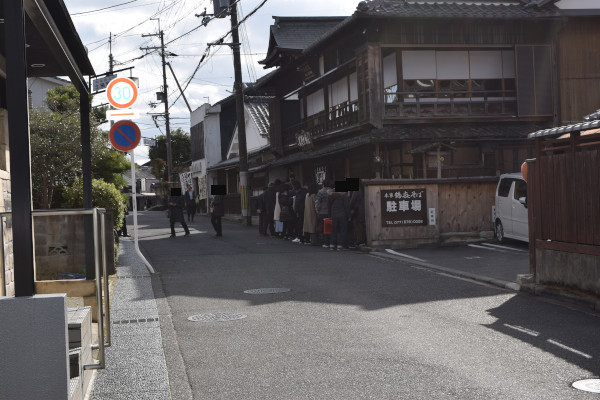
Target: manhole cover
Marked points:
266	290
588	385
217	317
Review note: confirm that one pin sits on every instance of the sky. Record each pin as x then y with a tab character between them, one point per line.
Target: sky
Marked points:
185	37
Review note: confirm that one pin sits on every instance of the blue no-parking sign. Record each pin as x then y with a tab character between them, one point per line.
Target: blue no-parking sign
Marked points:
125	135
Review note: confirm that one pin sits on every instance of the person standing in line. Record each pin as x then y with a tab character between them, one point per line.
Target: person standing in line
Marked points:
340	214
299	205
261	211
190	203
286	212
176	205
218	210
277	212
270	201
311	217
357	214
322	207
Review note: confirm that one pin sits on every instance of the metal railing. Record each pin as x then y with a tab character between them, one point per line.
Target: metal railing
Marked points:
105	337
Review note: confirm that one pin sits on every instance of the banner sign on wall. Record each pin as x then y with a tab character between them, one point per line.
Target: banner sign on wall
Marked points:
403	207
185	179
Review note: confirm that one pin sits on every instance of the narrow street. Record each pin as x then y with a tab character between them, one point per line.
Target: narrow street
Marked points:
352	325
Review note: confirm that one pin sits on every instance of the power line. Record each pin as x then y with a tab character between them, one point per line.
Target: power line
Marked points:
105	8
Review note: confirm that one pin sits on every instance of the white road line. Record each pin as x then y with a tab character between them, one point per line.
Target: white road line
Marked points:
503	247
486	248
562	346
404	255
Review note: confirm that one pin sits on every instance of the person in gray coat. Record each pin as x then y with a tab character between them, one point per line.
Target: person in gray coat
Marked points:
322	207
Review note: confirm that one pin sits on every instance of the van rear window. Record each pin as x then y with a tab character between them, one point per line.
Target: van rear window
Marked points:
504	187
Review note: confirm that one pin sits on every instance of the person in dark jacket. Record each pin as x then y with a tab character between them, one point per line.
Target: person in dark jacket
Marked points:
357	214
218	210
286	214
190	203
261	211
176	206
270	199
340	215
299	205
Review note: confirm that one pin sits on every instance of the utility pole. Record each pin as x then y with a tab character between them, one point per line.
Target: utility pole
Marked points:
241	121
111	60
165	99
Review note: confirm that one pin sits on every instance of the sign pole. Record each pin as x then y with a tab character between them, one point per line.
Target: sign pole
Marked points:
135	224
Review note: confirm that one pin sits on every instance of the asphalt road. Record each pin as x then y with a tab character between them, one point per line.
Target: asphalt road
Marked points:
353	325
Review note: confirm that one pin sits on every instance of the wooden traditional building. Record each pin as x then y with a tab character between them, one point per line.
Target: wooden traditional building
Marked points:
438	89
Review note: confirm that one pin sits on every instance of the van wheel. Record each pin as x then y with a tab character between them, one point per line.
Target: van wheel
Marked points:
499	231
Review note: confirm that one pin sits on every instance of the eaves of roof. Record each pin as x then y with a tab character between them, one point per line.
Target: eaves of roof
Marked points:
439	9
552	132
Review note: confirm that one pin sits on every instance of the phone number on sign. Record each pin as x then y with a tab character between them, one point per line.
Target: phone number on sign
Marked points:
405	222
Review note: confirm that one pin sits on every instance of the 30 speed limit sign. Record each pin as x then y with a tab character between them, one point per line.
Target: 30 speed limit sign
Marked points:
122	92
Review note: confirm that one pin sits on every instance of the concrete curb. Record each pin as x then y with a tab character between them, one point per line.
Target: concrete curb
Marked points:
535	289
450	271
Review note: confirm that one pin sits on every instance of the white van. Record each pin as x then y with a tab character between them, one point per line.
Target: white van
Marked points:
511	208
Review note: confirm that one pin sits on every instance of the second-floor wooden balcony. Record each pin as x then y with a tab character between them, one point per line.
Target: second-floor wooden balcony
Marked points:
450	104
337	118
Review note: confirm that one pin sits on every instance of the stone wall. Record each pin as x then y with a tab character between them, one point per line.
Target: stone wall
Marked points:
60	245
581	271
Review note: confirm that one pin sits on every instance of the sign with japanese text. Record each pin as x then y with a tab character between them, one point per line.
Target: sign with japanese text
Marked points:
403	207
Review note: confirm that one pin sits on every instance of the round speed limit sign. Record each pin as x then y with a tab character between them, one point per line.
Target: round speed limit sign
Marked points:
121	92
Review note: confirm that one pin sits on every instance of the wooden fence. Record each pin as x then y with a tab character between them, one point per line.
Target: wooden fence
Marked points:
564	211
455	209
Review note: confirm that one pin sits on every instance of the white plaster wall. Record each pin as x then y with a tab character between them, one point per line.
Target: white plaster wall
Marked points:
39	87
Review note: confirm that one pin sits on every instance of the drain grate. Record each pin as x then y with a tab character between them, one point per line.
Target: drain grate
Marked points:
217	317
588	385
267	290
135	321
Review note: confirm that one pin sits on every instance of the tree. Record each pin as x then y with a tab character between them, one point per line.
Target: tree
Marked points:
56	149
181	151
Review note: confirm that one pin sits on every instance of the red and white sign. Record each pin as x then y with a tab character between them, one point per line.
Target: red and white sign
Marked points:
122	92
125	135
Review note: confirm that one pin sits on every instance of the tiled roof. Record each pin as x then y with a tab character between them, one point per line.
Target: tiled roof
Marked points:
299	32
258	108
294	34
509	9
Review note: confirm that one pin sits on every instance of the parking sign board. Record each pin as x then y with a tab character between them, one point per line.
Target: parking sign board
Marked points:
125	135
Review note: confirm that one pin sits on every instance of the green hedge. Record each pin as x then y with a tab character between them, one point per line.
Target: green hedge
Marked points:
104	195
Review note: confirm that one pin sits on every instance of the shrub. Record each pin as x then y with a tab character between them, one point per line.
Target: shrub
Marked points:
104	195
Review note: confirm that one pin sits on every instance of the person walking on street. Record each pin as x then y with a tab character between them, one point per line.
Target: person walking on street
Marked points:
218	210
190	203
261	211
123	230
340	214
322	207
311	217
176	205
